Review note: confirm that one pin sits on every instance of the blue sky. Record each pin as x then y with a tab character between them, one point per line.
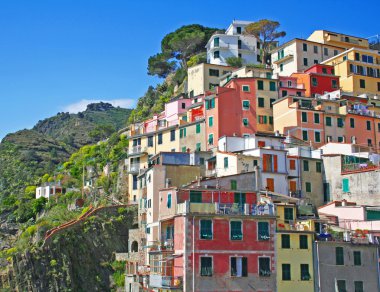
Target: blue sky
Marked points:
57	55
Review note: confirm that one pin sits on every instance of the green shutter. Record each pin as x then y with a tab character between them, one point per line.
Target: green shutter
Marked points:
206	229
195	197
346	185
210	121
357	258
236	230
286	272
198	147
260	84
328	121
233	184
263	230
197	128
272	86
285	241
339	257
303	242
225	162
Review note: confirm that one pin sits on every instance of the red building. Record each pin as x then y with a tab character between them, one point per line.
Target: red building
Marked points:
318	79
214	240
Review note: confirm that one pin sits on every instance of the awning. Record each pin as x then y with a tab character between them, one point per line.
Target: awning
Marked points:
211	159
172	257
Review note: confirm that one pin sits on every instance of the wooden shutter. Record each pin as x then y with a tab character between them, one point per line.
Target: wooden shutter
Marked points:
275	163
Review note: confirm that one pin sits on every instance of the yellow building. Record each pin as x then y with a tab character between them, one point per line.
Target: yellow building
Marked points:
338	39
294	246
359	71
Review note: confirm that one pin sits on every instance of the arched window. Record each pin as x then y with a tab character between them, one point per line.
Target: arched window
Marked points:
134	247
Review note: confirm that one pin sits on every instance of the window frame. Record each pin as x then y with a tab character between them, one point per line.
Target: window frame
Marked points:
285	244
200	229
241	230
258	229
200	265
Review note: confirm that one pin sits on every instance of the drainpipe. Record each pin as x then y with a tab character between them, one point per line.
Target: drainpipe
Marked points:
193	255
378	272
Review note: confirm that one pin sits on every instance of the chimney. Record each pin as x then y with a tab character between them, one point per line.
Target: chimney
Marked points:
168	183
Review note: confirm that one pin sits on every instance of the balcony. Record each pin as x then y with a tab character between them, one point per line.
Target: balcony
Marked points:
137	150
282	59
358	167
225	209
134	168
295	225
159	281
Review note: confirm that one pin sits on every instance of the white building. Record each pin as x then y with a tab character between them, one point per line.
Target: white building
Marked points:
233	43
299	54
48	191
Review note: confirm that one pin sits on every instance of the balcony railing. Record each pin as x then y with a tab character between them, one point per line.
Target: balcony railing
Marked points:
358	167
283	58
160	281
226	209
135	150
134	168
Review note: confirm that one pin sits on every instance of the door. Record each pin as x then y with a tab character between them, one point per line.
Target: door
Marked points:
270	184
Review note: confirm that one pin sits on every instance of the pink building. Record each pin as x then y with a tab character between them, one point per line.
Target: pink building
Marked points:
289	86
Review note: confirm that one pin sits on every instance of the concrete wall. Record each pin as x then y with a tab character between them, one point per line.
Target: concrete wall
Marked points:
328	272
364	186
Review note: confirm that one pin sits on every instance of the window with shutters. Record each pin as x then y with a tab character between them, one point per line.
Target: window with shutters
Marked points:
150	141
270	163
172	135
304	117
352	123
305	275
198	147
264	267
316	118
285	241
225	162
233	184
303	242
308	187
245	122
318	167
317	137
205	229
288	214
368	125
245	104
195	197
206	266
236	232
216	55
292	164
341	285
346	185
260	84
263	231
245	88
359	287
286	272
197	128
211	139
239	267
305	165
210	121
169	201
328	121
305	135
339	257
314	81
272	86
261	102
357	258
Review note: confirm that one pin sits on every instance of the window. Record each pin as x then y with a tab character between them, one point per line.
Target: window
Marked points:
335	52
195	197
305	275
270	120
315	61
359	287
225	162
357	258
272	86
305	63
304	47
304	135
264	267
362	83
239	44
246	88
281	67
197	128
285	241
206	266
213	72
303	242
245	122
169	202
304	117
318	167
183	149
340	139
346	185
368	125
233	184
150	141
378	85
341	285
352	122
328	121
182	133
286	272
212	86
183	105
211	139
261	102
239	267
324	70
369	142
316	118
288	214
210	121
271	101
245	104
205	229
216	55
238	30
159	138
263	231
315	50
314	81
334	83
292	164
260	84
262	119
305	165
339	257
317	137
216	42
172	135
308	187
284	93
326	51
340	122
236	232
198	147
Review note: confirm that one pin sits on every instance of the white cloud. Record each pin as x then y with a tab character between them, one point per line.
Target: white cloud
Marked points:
82	104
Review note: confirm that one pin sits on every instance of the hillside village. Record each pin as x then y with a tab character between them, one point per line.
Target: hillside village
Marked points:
259	177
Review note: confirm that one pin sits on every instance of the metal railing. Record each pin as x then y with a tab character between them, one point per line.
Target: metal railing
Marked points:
137	150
